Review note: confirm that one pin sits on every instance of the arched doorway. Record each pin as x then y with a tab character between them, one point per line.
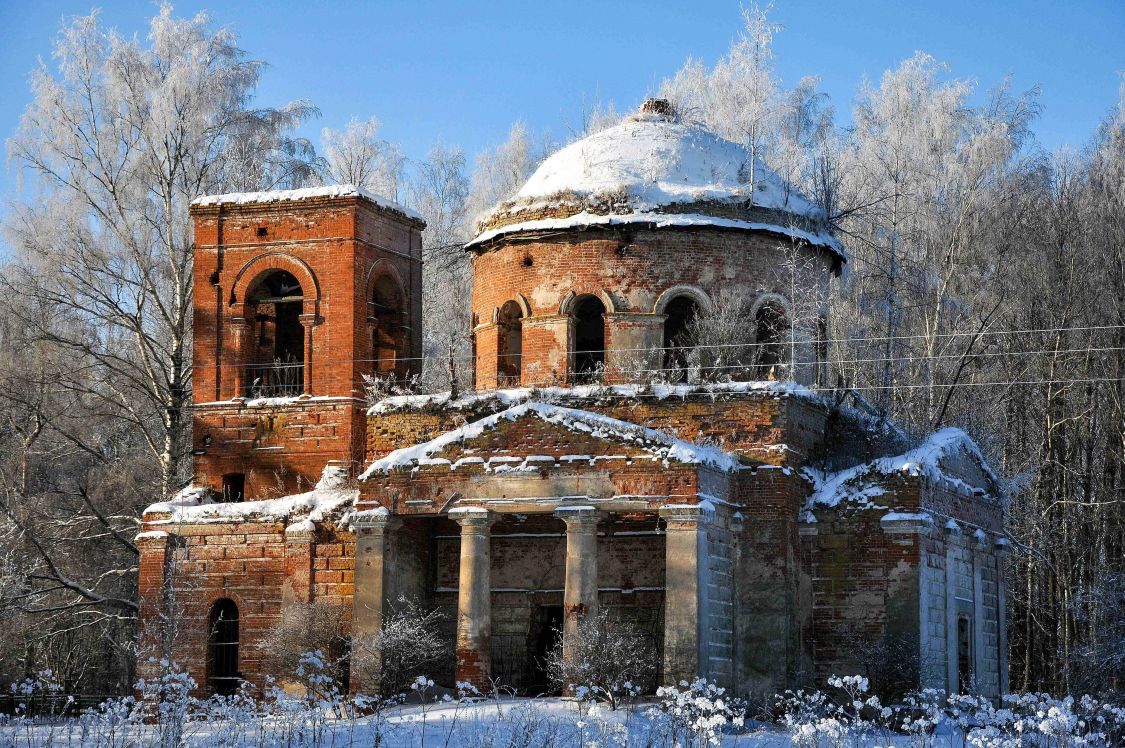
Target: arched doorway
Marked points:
680	312
589	338
277	344
223	676
771	328
388	335
509	345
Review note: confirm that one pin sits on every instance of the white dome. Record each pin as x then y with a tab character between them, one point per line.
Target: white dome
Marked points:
661	162
652	169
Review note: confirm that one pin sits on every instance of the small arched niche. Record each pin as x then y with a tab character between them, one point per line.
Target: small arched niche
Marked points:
385	314
275	303
588	316
223	676
509	345
680	312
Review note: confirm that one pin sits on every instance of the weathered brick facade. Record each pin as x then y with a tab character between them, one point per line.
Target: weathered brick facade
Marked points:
760	534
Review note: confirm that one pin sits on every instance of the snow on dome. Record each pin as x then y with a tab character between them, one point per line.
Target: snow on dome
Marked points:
332	190
653	163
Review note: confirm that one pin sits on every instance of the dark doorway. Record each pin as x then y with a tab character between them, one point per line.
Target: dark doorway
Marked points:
589	338
234	486
681	311
543	637
223	678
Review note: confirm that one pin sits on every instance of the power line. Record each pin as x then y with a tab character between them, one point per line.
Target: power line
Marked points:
715	346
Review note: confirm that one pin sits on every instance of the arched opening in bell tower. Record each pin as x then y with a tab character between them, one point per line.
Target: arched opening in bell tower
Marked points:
589	338
680	312
277	362
771	330
385	310
509	348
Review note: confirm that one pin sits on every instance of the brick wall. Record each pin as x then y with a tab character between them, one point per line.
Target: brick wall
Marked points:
631	268
281	449
778	430
336	248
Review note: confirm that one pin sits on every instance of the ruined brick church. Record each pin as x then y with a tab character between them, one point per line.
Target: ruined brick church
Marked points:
758	527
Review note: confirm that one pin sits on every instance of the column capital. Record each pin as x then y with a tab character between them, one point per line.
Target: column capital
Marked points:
239	322
579	517
374	520
472	517
308	320
686	516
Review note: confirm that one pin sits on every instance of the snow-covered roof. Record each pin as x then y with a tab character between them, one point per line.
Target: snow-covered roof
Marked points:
860	484
663	447
514	395
331	190
642	169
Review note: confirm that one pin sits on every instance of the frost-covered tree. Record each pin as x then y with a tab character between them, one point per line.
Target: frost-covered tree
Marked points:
357	155
439	191
121	134
501	171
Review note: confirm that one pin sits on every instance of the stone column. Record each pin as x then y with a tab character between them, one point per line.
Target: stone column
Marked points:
580	593
233	382
308	321
474	596
684	588
374	563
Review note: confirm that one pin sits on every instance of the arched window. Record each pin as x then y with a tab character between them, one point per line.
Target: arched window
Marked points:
223	677
589	338
680	312
509	345
277	344
771	328
388	335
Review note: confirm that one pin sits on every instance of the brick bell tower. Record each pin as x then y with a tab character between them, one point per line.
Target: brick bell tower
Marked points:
298	294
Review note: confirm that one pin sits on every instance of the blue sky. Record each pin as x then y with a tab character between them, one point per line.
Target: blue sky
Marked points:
464	72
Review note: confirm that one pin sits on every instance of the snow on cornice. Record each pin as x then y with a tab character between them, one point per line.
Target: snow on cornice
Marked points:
278	196
661	220
662	446
197	508
515	395
858	485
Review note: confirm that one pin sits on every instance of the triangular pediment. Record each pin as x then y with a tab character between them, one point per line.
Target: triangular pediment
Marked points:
541	432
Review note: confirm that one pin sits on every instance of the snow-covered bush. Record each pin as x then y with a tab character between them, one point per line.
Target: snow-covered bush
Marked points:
320	626
698	712
409	643
604	659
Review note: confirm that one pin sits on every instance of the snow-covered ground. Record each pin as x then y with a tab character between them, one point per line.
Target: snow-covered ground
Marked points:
690	716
